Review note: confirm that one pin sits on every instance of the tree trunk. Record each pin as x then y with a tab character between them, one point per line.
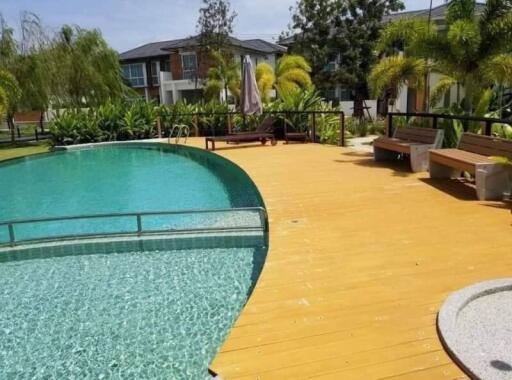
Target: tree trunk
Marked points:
41	121
426	92
361	92
501	90
12	127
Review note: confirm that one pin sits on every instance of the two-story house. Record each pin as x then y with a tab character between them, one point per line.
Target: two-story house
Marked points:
169	71
409	99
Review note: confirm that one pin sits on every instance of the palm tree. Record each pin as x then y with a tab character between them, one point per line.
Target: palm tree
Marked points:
292	73
464	54
266	79
224	75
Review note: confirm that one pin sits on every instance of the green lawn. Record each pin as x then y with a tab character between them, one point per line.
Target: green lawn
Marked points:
22	149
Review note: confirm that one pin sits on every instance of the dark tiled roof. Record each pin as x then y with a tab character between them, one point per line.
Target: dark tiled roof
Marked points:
438	12
153	49
264	46
255	44
156	49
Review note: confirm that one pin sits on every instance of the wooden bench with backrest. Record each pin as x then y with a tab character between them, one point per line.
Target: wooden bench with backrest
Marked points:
473	156
412	141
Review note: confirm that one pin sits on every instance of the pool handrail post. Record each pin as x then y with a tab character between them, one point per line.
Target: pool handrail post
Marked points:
159	127
139	224
12	236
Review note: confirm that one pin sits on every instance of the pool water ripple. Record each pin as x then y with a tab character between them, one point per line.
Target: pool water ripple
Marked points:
94	316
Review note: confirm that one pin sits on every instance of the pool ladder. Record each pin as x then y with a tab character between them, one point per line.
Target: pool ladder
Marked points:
182	131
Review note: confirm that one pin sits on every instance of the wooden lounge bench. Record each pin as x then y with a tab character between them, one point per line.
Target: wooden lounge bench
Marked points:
263	133
242	138
414	142
296	136
473	156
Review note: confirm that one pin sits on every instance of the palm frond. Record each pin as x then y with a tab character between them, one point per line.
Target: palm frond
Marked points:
396	71
266	79
498	69
484	103
290	62
441	88
464	39
499	30
407	32
294	79
460	10
213	89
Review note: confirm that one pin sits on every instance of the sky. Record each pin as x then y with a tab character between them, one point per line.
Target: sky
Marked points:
126	24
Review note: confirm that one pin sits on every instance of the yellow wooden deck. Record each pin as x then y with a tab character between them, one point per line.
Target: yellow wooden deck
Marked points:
361	257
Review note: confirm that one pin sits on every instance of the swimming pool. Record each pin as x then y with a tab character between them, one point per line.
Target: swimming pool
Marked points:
151	307
120	178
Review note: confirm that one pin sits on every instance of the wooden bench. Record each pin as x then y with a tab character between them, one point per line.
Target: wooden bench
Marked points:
473	156
414	142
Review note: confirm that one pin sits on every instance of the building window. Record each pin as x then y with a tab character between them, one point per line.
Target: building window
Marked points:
155	73
166	65
330	67
134	73
189	62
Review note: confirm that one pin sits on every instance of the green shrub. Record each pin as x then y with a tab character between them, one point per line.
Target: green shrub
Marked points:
75	127
137	119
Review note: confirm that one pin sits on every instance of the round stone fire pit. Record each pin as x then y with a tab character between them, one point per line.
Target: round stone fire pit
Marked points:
475	325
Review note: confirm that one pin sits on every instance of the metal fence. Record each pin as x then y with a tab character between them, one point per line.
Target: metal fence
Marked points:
283	113
487	121
25	132
22	231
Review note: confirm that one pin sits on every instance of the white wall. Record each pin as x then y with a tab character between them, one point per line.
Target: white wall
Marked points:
348	108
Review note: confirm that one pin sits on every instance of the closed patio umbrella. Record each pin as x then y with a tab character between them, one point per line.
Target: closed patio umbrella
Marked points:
250	95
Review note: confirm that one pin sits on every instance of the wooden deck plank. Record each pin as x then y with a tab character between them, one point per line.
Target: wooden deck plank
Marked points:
361	257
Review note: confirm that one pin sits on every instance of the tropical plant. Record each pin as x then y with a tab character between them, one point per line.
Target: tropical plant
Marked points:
328	124
292	73
224	75
265	78
473	53
109	117
296	101
397	71
75	127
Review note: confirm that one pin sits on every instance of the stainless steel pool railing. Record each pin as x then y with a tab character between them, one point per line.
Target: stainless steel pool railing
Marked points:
137	219
183	131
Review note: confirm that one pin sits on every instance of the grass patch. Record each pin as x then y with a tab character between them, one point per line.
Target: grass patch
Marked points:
8	151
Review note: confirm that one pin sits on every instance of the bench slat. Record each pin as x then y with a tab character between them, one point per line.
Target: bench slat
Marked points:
421	135
392	144
486	145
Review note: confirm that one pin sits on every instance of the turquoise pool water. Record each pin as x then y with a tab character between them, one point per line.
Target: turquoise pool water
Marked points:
156	308
114	179
137	313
